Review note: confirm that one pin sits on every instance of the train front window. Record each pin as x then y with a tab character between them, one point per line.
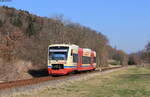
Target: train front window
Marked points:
58	55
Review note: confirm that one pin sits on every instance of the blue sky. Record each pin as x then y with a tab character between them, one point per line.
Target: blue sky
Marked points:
126	23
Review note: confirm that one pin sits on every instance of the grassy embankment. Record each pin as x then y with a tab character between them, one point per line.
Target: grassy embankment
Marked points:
131	82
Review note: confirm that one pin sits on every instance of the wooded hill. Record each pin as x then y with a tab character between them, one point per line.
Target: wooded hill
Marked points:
24	39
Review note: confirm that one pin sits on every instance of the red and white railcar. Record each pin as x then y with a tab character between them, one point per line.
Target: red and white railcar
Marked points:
66	58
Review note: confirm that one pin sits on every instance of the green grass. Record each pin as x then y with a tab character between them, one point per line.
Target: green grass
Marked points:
131	82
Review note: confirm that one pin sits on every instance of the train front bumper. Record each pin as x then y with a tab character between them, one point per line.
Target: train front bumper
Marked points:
60	71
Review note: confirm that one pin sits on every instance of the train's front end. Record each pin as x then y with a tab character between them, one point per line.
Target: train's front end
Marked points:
59	59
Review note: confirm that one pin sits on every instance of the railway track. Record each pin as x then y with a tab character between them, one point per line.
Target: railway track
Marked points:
20	83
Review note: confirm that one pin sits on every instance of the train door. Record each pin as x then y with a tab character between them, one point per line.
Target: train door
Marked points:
80	51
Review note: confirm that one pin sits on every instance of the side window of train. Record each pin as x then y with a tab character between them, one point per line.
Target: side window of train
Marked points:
75	58
94	59
86	60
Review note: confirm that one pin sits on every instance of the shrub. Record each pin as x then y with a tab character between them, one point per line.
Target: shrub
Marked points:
16	21
1	23
114	63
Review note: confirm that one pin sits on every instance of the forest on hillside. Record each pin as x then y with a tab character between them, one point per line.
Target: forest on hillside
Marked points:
24	39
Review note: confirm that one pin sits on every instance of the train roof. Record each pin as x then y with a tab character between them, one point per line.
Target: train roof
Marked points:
73	45
87	49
